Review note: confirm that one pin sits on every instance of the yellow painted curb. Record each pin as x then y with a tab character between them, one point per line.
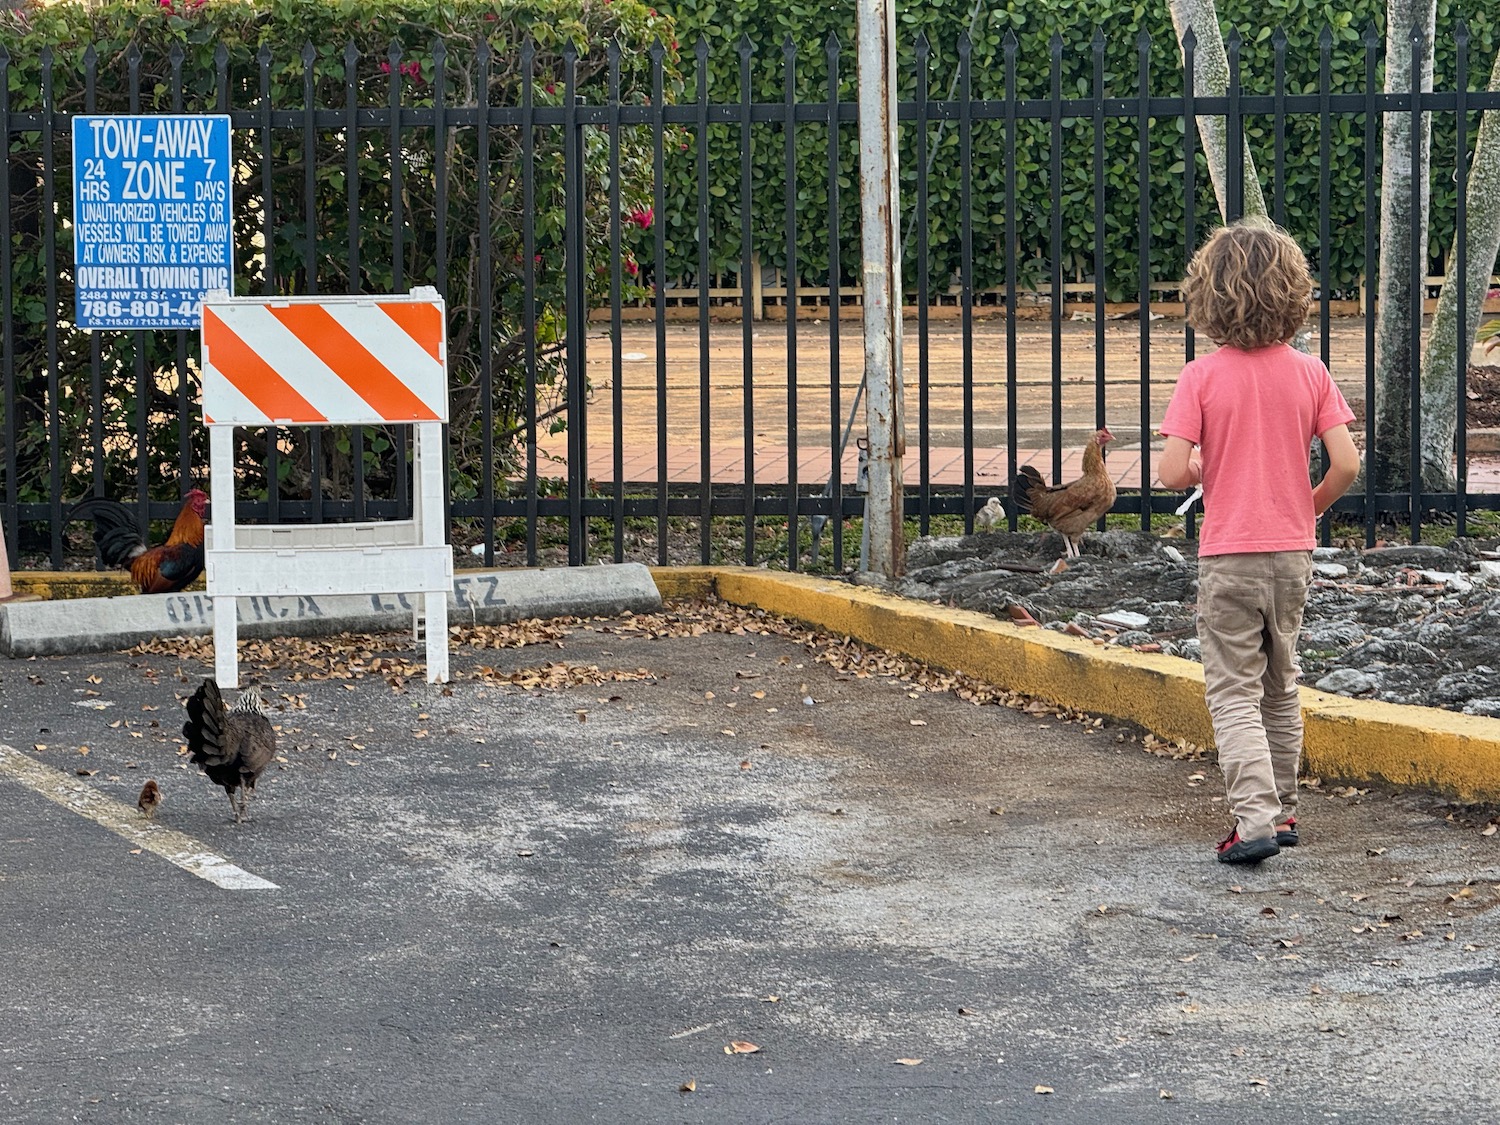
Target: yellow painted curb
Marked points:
55	585
1346	738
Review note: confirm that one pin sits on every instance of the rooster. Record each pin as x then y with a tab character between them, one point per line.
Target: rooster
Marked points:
232	746
1069	508
156	570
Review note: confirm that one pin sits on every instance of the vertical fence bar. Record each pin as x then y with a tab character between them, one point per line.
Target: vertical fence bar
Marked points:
573	187
747	287
486	302
143	380
1418	254
705	373
966	263
1143	141
400	435
528	284
49	251
835	300
1189	206
659	291
1461	238
1056	169
311	225
1096	49
616	285
1371	269
1234	143
924	355
10	527
352	182
184	400
1278	125
1009	46
1325	238
789	137
440	232
268	272
96	344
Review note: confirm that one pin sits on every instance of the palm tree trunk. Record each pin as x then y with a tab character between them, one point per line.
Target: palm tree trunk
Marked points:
1404	195
1444	349
1211	80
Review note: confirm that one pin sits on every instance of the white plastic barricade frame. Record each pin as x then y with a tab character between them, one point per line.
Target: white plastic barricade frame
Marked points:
315	361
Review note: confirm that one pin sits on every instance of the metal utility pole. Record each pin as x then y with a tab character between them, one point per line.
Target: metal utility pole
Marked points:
880	213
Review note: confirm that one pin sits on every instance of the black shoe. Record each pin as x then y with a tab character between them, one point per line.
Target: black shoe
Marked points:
1235	850
1286	834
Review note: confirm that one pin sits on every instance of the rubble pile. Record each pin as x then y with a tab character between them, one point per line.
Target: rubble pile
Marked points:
1407	624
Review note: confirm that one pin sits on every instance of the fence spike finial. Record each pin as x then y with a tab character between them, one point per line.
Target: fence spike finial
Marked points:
1098	44
309	53
1371	37
831	46
965	44
351	58
1325	37
263	56
1010	42
1233	42
1461	33
657	51
176	56
922	46
746	46
1278	38
700	50
789	47
528	53
221	56
1143	40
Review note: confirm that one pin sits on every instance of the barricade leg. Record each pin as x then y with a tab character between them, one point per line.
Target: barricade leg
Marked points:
435	609
226	643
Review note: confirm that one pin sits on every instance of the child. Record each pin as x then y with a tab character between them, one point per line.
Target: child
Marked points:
1252	407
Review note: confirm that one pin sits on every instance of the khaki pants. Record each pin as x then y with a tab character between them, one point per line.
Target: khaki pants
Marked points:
1249	614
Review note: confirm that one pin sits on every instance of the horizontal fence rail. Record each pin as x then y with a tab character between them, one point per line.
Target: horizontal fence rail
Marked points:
545	219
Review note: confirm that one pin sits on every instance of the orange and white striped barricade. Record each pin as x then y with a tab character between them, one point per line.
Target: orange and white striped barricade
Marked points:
322	361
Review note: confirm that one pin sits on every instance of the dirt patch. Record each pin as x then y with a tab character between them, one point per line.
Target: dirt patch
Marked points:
1483	391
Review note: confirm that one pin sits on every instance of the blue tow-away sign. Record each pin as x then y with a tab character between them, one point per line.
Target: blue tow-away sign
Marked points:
152	231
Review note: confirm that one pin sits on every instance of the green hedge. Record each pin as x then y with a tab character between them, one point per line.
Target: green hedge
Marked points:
810	23
157	29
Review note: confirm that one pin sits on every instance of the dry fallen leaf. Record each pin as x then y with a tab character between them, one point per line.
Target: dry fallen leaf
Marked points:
1489	829
909	1062
689	1086
1259	1082
1043	1090
741	1047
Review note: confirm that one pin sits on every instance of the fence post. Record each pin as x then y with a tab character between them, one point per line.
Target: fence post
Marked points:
880	211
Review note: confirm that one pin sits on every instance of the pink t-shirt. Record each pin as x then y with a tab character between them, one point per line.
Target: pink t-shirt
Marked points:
1254	414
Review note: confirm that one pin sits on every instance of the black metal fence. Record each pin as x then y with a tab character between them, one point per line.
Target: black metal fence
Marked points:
543	501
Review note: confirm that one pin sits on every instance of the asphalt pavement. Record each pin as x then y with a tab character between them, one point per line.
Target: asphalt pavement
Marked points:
563	887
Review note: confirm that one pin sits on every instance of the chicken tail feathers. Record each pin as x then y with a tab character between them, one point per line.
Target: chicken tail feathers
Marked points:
204	729
1023	491
115	532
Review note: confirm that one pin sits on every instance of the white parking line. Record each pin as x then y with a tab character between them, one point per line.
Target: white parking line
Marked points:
125	821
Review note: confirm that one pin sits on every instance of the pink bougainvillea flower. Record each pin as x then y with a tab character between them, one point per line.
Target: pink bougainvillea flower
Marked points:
385	67
642	217
550	87
631	267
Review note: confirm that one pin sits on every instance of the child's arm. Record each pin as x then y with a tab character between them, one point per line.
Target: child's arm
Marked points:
1181	466
1343	467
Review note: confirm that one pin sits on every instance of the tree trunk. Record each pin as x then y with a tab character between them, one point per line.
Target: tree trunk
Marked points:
1403	205
1211	80
1444	349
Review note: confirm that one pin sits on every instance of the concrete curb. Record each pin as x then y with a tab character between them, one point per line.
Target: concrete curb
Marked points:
93	624
1346	738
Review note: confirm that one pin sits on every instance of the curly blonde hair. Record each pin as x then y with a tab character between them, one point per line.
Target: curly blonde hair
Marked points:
1248	286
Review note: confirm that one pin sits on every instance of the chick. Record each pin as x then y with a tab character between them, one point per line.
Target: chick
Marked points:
149	799
988	516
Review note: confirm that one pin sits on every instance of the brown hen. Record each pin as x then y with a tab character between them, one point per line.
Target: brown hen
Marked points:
1070	509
